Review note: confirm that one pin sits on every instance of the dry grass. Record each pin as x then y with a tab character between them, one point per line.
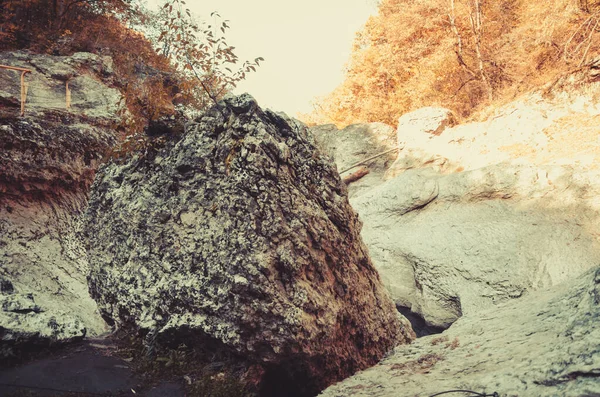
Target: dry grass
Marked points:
575	136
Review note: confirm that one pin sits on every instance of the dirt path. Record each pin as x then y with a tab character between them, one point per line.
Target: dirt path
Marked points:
85	369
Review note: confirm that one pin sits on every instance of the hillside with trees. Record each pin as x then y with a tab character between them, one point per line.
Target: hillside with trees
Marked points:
465	55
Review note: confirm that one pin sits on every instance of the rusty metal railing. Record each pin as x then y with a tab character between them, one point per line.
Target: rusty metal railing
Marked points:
23	85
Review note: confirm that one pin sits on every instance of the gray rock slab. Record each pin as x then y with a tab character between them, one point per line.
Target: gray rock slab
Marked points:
542	344
355	143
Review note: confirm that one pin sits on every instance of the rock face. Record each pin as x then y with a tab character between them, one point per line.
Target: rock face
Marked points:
415	133
356	143
427	120
47	163
451	245
88	75
45	172
27	325
543	344
505	253
241	236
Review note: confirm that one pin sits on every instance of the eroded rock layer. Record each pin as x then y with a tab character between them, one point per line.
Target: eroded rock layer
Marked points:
47	163
46	169
452	245
241	235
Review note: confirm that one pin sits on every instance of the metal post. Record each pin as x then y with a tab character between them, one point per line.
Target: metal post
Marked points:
23	93
68	95
23	86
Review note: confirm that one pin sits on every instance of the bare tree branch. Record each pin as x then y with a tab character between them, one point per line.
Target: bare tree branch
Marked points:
459	44
477	29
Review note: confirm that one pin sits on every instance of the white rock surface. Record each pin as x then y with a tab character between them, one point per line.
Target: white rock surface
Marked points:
502	252
24	322
451	245
555	125
416	131
424	121
543	344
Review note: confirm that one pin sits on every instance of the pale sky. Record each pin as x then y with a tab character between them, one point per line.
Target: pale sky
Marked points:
305	43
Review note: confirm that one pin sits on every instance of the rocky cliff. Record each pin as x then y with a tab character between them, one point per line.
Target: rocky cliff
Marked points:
47	164
451	245
240	238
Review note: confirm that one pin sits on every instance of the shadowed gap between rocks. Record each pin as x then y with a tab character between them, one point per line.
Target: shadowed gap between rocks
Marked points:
418	323
288	381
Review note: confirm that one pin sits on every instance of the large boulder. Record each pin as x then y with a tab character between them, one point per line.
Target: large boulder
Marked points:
240	237
543	344
416	131
449	245
47	164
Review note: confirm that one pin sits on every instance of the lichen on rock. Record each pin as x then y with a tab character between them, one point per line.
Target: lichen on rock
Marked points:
241	234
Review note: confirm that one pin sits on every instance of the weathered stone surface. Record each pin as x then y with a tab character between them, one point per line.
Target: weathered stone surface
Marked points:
423	121
415	133
47	164
44	158
554	125
356	143
25	325
449	245
40	257
542	344
241	235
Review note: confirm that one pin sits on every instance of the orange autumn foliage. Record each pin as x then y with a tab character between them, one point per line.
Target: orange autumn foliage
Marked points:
466	55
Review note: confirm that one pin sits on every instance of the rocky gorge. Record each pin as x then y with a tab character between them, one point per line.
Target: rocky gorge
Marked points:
240	240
